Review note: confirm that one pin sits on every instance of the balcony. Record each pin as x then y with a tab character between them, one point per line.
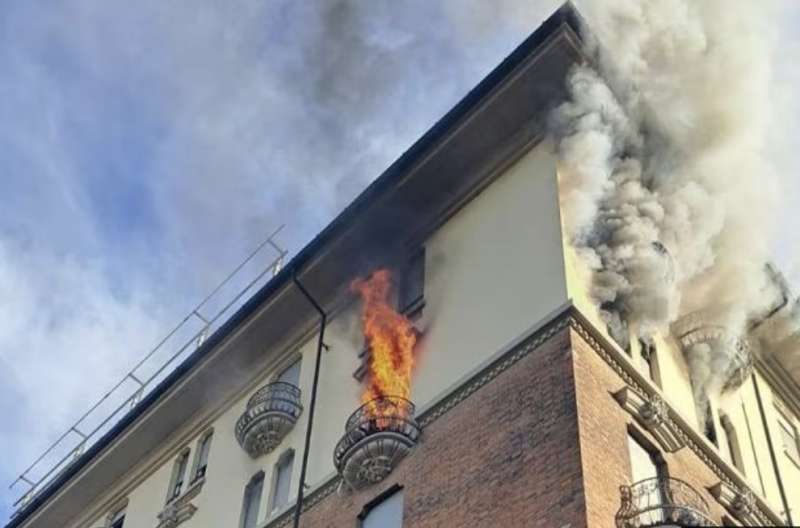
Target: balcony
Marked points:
661	501
709	329
377	437
271	413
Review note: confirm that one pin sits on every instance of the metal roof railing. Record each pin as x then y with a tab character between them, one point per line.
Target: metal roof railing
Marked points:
185	337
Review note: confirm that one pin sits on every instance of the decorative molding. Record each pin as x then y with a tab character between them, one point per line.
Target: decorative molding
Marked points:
741	503
494	369
684	432
178	510
652	412
175	513
661	415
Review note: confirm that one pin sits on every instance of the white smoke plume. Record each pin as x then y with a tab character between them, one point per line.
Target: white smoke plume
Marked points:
668	192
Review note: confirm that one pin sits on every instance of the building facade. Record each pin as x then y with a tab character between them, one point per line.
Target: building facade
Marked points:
525	412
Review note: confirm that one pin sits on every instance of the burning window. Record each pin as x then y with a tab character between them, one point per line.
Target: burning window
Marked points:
409	301
390	338
383	429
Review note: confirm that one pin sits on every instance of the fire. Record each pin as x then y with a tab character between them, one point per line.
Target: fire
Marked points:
390	337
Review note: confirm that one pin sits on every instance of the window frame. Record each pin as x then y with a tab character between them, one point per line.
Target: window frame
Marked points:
204	442
390	492
286	456
178	476
648	361
788	428
416	263
732	442
247	497
113	519
295	359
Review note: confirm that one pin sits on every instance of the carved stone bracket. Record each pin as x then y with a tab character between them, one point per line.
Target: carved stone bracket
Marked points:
180	509
653	414
174	514
741	503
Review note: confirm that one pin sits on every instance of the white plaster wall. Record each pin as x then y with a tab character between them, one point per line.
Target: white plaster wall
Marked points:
493	270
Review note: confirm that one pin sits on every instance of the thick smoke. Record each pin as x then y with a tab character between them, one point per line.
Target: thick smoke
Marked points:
667	191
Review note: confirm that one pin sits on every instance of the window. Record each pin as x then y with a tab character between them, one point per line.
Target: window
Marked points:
117	520
732	441
281	481
201	458
252	500
178	473
386	511
648	361
410	301
291	374
646	463
789	438
411	294
705	417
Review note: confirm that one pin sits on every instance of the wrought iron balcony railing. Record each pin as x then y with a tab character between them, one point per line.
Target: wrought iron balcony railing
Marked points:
271	413
377	437
662	501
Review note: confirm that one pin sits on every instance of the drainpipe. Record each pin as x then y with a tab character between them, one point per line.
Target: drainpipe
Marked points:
320	345
772	453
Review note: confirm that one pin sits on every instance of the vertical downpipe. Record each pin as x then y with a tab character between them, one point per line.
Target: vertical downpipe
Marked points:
298	509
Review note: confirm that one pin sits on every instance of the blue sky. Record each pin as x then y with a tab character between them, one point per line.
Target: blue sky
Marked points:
146	147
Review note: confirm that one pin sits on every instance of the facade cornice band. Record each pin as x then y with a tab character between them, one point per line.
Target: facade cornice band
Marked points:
639	395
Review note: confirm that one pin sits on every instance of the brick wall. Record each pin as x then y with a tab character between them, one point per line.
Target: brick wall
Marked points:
507	456
603	427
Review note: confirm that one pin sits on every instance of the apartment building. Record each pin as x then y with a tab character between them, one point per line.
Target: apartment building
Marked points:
521	410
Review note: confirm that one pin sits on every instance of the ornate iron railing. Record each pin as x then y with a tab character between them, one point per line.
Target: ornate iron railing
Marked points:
377	436
270	414
662	501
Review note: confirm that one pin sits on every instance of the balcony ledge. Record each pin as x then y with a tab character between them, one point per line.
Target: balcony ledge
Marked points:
271	413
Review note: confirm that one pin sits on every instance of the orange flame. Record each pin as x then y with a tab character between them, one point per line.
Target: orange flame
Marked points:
390	337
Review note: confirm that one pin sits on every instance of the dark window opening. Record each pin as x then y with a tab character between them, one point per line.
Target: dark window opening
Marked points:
649	360
411	292
202	456
732	441
118	520
709	429
178	474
